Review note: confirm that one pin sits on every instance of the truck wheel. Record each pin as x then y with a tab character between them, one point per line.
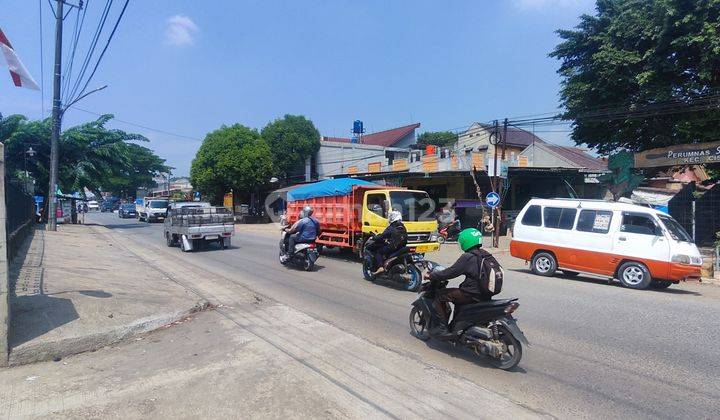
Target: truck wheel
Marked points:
544	264
634	275
169	239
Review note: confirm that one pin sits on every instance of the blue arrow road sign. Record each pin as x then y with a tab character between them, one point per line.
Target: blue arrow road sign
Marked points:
492	199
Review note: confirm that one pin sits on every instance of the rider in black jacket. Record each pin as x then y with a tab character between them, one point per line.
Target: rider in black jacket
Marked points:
393	238
472	289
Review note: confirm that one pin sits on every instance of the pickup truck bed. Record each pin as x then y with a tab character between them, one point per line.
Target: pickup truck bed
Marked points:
193	226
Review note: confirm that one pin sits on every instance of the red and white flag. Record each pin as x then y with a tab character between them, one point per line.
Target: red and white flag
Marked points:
18	72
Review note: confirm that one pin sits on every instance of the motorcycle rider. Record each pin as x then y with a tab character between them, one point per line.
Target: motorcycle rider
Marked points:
476	264
393	238
304	231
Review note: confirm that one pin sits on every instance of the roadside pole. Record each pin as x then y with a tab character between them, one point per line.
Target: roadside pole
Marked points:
4	271
494	140
56	119
501	184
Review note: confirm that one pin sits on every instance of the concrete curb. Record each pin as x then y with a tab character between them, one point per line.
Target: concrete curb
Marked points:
41	352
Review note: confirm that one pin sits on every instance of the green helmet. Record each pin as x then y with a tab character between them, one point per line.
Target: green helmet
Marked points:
469	238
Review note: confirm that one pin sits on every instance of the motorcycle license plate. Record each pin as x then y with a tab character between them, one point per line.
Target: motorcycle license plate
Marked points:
423	248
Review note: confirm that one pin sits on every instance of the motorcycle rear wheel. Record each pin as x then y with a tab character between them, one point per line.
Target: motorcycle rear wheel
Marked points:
513	351
308	264
419	324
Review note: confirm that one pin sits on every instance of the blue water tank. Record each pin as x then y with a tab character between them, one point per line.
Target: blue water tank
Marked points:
358	127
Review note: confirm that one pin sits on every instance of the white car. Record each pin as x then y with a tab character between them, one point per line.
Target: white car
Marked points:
93	205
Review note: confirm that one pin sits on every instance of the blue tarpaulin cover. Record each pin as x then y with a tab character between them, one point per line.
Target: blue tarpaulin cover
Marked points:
327	188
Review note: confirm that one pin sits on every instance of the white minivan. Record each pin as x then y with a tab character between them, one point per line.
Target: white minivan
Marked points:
638	245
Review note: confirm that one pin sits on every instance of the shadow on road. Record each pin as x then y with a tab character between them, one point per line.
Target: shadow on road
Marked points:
594	280
467	355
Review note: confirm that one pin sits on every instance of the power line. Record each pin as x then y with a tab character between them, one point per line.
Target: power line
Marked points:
76	38
91	48
157	130
107	44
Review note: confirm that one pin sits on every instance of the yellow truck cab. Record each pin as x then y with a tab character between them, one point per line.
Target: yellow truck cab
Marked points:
417	215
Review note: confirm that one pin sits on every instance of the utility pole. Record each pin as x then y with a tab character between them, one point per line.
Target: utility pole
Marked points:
56	119
500	184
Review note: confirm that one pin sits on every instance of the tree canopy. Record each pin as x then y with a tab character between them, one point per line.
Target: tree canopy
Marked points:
292	139
234	157
437	138
91	156
633	73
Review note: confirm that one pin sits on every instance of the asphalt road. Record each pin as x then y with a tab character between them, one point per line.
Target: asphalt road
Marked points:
597	350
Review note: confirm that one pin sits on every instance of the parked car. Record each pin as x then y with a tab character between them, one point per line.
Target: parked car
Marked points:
127	211
93	205
638	245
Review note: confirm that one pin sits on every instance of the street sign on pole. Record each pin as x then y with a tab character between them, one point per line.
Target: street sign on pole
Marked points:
492	199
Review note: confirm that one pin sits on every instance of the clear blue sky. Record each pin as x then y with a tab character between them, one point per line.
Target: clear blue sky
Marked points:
189	66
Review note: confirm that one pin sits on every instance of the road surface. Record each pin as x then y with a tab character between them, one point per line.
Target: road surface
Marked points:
598	350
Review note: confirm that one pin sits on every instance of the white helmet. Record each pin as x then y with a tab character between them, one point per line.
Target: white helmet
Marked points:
307	211
395	216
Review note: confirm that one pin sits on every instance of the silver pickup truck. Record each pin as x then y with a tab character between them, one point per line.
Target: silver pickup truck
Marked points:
193	224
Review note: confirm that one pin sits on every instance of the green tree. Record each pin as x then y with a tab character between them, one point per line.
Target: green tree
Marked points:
234	157
644	56
143	166
292	139
91	155
437	138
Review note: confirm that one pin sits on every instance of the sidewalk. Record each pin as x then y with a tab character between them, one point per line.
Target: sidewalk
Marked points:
75	292
252	356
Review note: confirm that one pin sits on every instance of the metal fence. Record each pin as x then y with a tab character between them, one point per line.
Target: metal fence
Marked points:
20	208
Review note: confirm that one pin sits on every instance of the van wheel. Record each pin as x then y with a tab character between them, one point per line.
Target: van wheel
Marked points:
634	275
544	264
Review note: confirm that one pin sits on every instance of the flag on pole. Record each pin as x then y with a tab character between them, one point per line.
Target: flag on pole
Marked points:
18	72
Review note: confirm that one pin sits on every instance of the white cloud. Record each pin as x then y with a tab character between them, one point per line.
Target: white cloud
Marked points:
542	4
180	30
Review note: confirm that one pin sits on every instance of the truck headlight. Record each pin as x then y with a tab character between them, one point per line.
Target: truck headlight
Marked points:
433	236
681	259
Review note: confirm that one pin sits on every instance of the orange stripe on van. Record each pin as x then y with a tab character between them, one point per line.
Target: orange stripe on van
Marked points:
602	263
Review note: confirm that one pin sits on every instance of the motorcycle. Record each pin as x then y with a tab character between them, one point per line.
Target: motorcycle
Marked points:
305	253
402	266
450	232
486	327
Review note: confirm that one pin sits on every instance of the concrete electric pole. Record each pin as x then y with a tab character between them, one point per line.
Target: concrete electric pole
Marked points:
56	119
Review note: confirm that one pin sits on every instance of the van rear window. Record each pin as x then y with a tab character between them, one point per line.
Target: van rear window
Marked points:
597	221
559	218
532	216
